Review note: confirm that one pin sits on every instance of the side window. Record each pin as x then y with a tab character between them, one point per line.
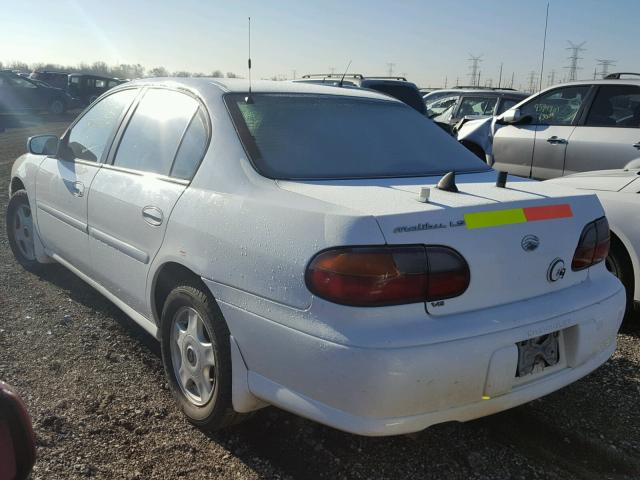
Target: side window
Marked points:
615	106
151	139
75	80
192	148
506	104
557	107
88	138
100	83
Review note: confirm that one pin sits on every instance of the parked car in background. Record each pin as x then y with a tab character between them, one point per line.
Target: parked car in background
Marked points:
619	193
295	245
21	95
396	87
470	104
89	87
55	79
569	128
17	440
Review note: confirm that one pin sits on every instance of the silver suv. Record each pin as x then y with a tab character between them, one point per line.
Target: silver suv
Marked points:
569	128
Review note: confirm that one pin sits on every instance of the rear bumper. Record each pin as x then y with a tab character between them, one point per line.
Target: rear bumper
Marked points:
389	391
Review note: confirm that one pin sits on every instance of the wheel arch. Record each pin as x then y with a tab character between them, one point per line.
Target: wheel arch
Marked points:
15	185
619	240
165	278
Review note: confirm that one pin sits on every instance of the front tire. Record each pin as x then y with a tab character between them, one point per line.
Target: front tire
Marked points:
197	357
21	231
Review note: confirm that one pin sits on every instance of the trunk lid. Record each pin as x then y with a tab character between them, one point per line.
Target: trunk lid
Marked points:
495	229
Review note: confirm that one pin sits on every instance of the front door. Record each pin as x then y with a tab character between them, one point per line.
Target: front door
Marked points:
513	149
62	184
554	115
132	198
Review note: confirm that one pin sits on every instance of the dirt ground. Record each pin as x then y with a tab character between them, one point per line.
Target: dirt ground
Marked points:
94	384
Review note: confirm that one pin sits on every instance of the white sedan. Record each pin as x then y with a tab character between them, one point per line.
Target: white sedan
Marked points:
618	190
289	246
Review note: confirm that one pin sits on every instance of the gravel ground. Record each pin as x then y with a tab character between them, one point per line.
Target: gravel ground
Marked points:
94	384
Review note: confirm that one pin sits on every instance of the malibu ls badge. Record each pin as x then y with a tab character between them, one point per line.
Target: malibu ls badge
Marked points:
530	243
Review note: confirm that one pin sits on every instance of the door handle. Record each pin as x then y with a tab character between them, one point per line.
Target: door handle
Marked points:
556	140
77	189
637	145
152	215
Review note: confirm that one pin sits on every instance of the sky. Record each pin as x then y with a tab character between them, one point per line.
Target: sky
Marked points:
428	41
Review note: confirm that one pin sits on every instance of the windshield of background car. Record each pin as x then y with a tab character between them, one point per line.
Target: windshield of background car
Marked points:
475	106
313	137
440	106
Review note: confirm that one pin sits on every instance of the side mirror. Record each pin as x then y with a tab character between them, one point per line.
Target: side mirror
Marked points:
17	440
511	116
43	144
514	117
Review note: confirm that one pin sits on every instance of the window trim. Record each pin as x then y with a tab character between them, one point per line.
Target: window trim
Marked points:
113	150
578	117
587	111
102	160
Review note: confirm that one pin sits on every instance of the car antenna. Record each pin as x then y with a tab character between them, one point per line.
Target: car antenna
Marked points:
345	73
249	98
448	183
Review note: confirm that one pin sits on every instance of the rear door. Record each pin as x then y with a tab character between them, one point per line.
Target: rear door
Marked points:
610	135
62	184
131	198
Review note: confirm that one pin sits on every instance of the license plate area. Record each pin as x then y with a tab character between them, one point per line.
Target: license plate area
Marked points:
537	354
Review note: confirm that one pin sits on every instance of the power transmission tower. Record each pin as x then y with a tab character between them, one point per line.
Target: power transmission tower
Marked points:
532	81
332	69
500	76
390	65
513	76
445	81
474	70
551	78
573	59
294	73
604	64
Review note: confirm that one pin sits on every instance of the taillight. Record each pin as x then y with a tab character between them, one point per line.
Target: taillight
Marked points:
377	276
593	246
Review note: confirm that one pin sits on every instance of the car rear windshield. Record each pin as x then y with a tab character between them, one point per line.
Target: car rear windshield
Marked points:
312	137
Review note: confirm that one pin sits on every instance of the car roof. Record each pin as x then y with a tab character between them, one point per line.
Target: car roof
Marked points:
235	85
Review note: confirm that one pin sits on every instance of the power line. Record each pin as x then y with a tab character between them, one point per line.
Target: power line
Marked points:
573	59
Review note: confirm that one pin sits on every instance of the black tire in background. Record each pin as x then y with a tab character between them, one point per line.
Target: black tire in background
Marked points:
218	412
618	262
57	106
23	252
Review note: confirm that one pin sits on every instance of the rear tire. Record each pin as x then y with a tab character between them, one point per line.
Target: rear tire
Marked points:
197	357
21	231
619	263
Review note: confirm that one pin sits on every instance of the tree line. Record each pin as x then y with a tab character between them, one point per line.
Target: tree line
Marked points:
123	71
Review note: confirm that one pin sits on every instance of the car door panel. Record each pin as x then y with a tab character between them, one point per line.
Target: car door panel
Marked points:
513	149
601	148
549	150
122	241
61	213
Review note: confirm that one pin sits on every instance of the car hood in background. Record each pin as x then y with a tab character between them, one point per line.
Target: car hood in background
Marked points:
600	180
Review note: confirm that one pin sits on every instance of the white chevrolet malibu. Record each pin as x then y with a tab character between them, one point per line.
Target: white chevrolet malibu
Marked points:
299	246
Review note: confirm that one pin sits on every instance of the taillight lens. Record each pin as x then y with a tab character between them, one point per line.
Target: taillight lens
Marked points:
593	246
377	276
